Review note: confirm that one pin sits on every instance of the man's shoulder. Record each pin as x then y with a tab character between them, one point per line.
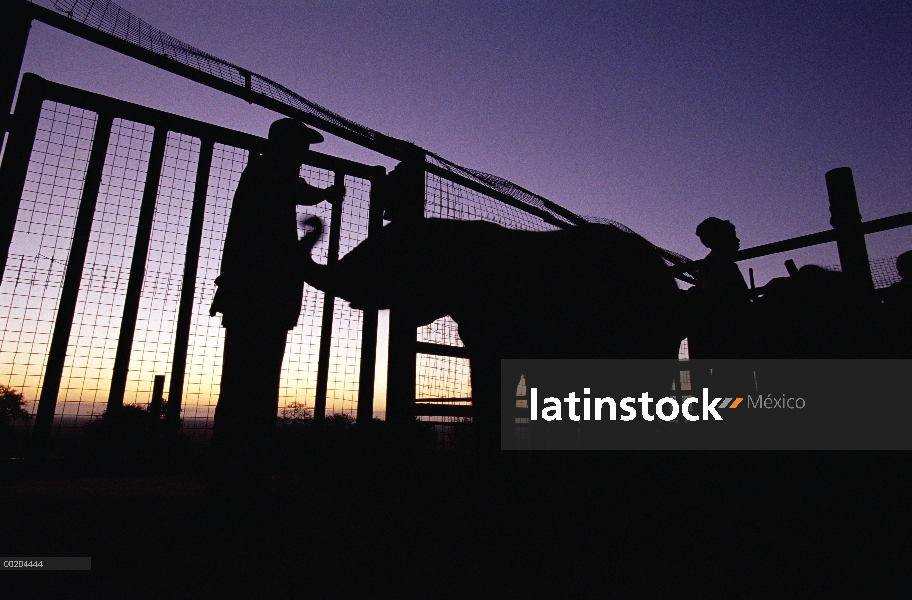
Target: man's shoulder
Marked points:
255	164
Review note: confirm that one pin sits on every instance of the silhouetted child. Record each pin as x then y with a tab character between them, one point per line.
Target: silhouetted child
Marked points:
720	304
720	294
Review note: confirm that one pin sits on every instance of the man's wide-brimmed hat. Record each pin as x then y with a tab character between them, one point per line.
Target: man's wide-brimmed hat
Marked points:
290	133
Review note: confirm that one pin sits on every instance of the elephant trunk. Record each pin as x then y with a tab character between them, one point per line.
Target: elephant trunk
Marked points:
316	275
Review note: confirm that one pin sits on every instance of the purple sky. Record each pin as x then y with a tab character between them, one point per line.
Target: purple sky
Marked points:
655	116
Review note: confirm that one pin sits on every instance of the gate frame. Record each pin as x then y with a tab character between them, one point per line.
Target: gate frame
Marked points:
34	91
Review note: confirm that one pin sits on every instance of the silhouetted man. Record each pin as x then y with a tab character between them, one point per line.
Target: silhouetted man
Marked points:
260	289
721	302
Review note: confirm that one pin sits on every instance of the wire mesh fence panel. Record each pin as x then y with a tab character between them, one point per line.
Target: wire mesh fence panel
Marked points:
445	199
442	331
204	352
156	322
345	351
298	385
86	381
344	360
684	350
112	19
442	377
355	213
884	273
33	278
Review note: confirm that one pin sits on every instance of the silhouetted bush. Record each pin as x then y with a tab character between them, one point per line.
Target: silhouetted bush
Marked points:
13	440
133	426
298	441
134	439
12	408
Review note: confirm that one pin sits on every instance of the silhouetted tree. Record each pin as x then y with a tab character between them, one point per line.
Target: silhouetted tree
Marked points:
295	414
12	408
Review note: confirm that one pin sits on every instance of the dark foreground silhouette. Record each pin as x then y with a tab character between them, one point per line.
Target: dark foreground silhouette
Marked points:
815	314
897	302
571	524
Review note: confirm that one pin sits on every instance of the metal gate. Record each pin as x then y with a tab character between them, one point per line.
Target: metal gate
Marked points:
112	220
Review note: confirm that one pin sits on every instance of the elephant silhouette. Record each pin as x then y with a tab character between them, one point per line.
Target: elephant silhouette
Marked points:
588	291
816	313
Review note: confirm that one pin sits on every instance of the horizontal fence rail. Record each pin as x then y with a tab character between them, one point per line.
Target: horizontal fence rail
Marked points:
808	240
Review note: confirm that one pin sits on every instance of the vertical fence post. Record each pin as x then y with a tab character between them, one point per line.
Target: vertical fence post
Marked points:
72	279
329	303
14	169
188	285
14	31
846	220
137	274
158	388
402	368
369	318
408	186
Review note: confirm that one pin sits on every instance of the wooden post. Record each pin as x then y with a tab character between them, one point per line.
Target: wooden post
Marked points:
402	369
16	157
15	22
846	221
369	318
158	388
404	202
188	285
329	305
69	295
137	274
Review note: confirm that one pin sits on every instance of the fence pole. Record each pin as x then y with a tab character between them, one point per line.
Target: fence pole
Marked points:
158	388
188	285
16	157
14	31
329	304
137	274
69	294
407	189
846	222
369	318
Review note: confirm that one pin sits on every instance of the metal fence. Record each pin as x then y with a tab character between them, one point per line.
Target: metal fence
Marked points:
112	221
114	216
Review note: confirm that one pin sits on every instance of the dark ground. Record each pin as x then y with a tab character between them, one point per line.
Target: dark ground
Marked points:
424	523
